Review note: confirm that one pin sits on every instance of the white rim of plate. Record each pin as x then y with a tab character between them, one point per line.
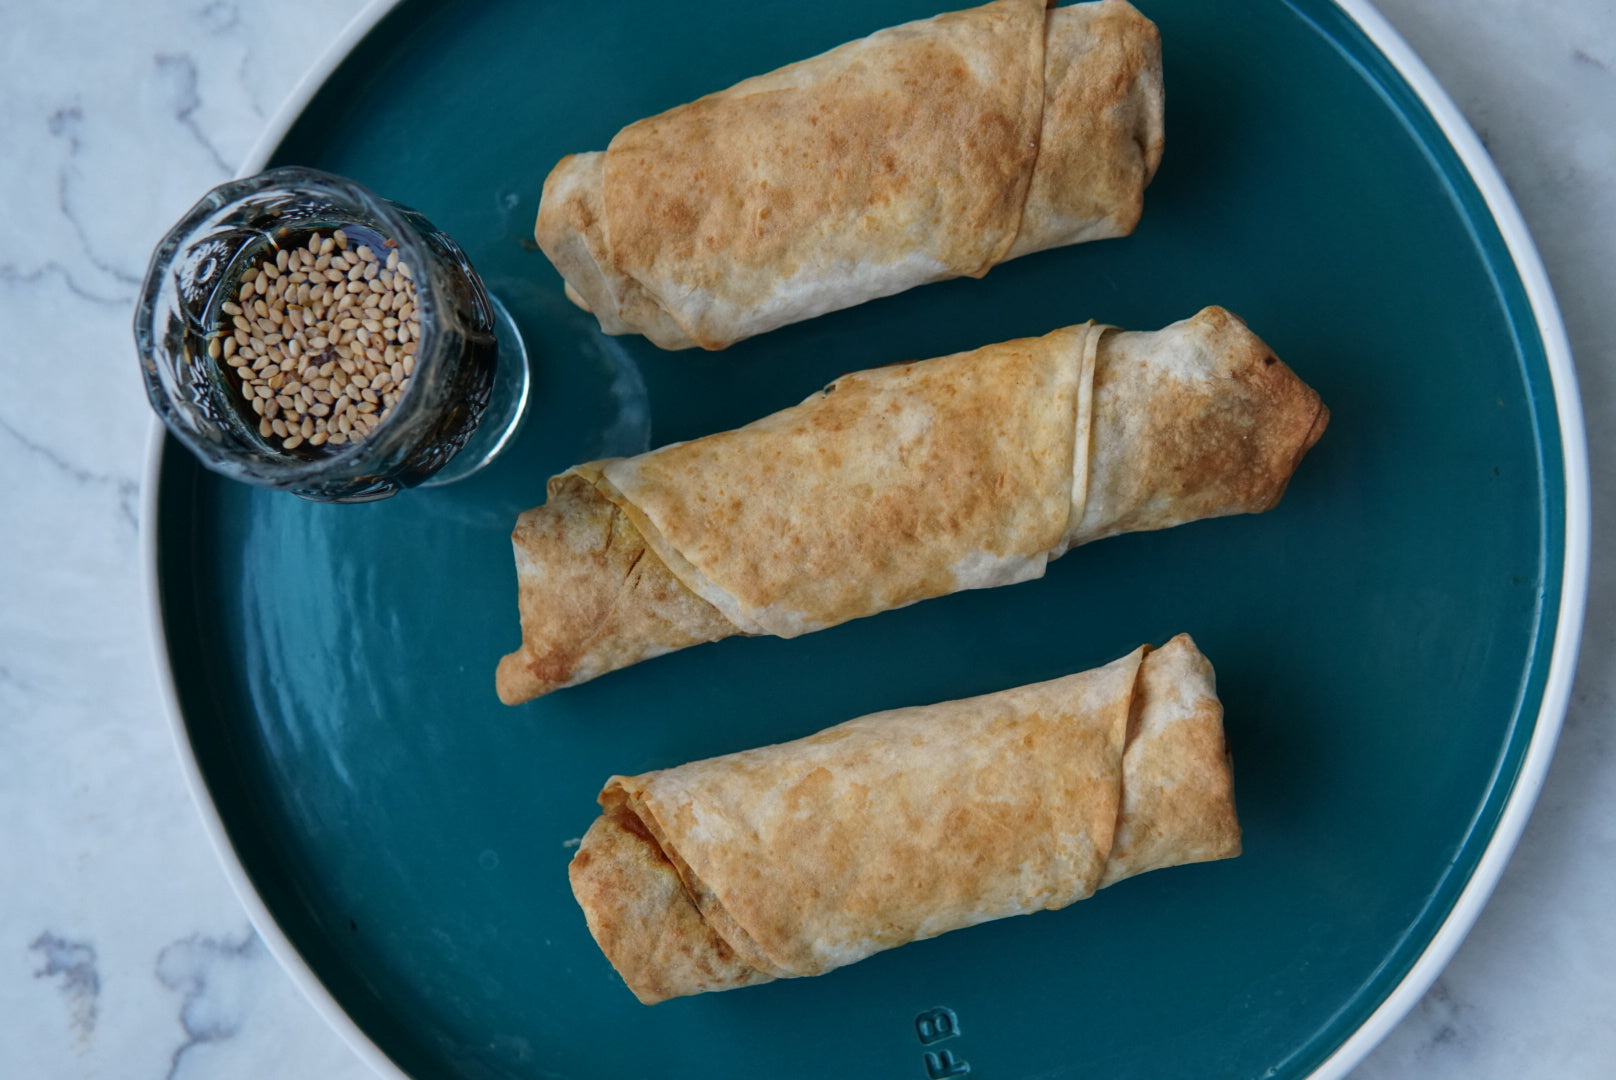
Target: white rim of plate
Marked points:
1556	691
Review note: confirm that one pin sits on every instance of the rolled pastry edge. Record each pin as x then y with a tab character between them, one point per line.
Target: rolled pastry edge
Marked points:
608	600
640	915
1077	194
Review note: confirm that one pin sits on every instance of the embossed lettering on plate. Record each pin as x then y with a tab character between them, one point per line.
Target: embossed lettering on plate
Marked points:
934	1026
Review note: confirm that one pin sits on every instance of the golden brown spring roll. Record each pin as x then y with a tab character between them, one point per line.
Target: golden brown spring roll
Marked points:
932	150
796	859
899	484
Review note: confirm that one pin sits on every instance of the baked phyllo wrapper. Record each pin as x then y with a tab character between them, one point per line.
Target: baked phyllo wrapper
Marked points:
800	858
899	484
932	150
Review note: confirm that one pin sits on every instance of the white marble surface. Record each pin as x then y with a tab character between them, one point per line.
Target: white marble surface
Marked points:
123	952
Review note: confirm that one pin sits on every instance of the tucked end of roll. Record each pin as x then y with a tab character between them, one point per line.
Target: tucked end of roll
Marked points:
1177	782
1103	132
1199	419
592	597
643	919
571	231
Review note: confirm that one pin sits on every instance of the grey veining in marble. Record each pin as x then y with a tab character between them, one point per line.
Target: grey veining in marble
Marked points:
123	952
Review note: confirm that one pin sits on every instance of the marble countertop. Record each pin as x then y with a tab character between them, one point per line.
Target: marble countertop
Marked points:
123	952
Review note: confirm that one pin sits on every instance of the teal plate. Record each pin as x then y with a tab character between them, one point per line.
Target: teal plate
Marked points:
1392	642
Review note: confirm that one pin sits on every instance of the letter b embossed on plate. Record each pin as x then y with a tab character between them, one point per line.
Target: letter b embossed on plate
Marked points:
935	1025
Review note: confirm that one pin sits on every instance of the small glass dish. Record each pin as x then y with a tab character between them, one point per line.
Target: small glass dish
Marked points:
461	405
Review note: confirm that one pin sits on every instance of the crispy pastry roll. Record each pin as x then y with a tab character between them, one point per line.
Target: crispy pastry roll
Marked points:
799	858
899	484
931	150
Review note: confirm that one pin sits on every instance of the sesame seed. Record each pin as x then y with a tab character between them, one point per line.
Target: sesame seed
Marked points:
318	324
